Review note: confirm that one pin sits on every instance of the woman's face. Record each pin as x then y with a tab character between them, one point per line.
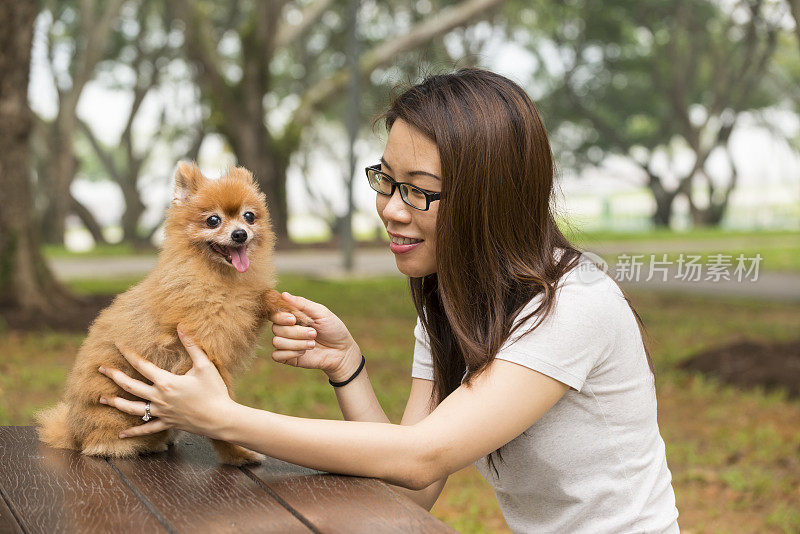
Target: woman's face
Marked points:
411	157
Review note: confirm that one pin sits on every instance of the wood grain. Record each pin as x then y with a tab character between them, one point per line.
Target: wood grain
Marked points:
190	488
8	523
53	490
336	503
185	489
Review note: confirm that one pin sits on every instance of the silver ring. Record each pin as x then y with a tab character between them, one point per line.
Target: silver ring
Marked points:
146	416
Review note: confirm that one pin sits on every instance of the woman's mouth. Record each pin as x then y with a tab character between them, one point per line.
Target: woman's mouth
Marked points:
401	245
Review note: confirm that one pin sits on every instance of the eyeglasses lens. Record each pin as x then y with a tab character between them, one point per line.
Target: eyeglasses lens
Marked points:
413	196
410	194
379	183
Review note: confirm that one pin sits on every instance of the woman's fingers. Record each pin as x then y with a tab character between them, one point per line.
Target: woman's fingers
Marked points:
129	406
294	332
147	369
313	309
282	318
131	385
142	430
199	358
282	343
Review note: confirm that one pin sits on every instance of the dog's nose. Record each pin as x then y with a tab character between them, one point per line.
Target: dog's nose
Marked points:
239	235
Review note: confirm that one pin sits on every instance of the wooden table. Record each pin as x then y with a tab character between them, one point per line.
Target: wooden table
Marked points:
186	490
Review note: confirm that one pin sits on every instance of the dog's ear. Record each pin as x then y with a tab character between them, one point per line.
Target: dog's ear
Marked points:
188	180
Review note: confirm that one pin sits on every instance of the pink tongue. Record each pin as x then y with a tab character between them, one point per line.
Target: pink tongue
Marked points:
239	258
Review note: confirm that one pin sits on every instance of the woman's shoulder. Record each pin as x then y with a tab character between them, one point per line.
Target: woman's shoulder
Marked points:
586	289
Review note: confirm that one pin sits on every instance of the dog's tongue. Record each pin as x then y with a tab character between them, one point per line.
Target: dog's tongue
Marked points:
239	258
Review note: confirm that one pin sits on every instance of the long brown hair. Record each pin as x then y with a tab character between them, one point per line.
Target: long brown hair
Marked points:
496	236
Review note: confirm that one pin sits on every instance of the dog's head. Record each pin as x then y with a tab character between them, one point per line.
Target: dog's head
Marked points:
224	220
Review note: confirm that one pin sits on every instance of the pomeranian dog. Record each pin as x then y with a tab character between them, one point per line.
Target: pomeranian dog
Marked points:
215	277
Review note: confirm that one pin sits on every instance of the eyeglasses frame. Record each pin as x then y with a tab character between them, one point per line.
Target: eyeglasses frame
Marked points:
429	196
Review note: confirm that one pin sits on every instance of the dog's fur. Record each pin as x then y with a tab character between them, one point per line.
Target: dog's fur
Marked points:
220	308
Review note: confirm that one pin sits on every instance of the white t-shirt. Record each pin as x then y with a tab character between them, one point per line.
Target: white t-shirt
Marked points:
595	461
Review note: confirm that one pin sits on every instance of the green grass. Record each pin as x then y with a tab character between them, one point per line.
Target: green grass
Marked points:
659	234
733	453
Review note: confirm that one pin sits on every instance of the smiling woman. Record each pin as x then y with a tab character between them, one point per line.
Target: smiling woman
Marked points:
529	362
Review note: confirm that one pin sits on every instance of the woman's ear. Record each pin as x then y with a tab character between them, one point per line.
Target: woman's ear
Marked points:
188	180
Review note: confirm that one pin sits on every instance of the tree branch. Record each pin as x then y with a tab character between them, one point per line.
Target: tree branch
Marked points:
430	28
200	45
97	31
287	34
88	220
102	154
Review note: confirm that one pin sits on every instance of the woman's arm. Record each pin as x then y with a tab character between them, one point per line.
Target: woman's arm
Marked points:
417	408
357	399
472	422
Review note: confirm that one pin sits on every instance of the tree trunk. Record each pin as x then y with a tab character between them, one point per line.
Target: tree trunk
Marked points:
662	216
26	282
59	174
271	175
255	151
134	208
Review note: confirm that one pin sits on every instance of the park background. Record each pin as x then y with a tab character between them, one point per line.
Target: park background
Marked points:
675	130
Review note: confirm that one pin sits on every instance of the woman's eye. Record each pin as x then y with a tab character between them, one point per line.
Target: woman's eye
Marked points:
213	221
249	216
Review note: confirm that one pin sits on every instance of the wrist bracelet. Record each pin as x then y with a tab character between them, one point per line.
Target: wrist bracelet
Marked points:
340	384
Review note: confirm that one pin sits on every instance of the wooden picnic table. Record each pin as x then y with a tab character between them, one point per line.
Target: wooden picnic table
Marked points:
186	490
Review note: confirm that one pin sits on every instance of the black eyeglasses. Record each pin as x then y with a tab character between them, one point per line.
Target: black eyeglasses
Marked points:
417	198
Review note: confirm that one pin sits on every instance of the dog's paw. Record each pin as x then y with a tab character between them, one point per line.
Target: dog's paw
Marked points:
246	457
235	455
302	318
276	303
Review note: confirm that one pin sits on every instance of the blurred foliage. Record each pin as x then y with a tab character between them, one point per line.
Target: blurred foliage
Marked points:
652	80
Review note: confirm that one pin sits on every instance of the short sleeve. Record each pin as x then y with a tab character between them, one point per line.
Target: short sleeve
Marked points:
422	367
578	332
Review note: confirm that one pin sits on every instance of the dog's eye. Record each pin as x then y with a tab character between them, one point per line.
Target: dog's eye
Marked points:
213	221
249	217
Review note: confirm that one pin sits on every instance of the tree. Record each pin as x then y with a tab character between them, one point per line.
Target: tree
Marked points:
77	39
651	79
794	6
26	283
238	50
140	54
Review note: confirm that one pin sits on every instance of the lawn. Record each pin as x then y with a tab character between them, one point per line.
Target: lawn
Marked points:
733	454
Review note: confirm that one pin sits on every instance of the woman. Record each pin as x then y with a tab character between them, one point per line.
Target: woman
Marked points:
528	362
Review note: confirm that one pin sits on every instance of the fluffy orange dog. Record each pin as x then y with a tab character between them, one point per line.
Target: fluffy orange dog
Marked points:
214	276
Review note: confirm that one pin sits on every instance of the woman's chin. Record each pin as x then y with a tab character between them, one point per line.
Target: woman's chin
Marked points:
413	269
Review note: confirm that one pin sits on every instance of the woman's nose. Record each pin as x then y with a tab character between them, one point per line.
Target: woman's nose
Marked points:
395	209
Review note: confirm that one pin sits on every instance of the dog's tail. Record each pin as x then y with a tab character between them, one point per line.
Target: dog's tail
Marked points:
52	427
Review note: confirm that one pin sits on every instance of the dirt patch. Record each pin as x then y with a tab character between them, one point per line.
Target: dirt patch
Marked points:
78	320
750	363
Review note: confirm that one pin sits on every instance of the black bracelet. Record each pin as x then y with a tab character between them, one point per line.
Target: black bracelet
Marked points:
340	384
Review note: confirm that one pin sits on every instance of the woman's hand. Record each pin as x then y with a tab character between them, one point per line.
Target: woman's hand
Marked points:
327	345
196	402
